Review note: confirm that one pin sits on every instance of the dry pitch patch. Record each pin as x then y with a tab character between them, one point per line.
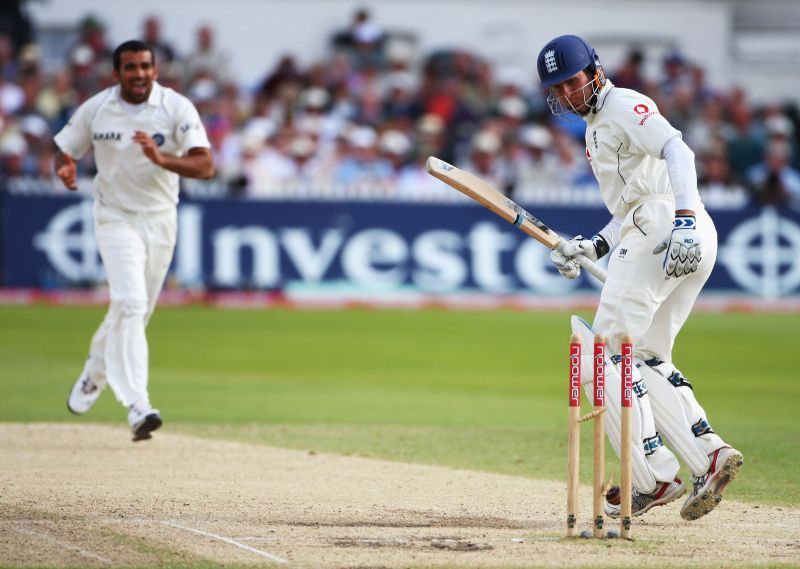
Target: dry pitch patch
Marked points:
84	495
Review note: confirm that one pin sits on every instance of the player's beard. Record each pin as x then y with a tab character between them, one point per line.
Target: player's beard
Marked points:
137	91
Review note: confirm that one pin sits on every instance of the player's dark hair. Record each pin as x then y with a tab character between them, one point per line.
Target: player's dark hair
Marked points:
131	45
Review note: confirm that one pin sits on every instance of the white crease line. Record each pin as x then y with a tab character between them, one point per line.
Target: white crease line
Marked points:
63	544
266	554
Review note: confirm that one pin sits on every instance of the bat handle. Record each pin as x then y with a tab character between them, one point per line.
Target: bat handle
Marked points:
592	267
595	269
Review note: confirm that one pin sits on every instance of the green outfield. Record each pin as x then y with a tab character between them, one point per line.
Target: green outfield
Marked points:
477	390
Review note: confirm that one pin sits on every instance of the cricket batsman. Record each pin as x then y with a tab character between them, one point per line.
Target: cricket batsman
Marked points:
663	245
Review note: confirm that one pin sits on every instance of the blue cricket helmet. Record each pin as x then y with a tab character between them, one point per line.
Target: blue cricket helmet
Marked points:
563	57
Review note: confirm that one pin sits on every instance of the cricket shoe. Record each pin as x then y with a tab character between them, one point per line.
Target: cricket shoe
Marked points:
143	421
665	493
726	462
84	393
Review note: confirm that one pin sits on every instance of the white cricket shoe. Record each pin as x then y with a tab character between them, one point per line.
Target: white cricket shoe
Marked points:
665	493
84	393
143	421
726	462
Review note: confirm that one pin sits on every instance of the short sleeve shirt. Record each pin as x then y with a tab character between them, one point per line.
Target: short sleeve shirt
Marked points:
126	178
625	137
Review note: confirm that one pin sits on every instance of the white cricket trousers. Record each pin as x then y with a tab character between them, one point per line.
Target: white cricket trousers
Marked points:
136	249
639	300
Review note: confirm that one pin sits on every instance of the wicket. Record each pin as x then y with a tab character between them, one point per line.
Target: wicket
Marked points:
599	487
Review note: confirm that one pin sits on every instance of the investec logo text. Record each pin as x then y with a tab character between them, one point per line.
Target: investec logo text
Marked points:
437	260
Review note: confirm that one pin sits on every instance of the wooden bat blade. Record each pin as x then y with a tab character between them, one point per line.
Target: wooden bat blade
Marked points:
483	193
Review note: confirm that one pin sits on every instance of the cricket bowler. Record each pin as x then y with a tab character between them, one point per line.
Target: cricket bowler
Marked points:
145	137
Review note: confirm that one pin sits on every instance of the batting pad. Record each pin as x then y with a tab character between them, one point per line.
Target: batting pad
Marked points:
658	464
676	412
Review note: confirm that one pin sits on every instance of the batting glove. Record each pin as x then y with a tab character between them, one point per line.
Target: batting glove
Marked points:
567	266
683	248
593	249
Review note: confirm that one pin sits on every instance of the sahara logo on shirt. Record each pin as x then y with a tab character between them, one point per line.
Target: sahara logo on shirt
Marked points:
105	136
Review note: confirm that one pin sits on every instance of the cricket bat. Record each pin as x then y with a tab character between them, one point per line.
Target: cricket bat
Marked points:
483	193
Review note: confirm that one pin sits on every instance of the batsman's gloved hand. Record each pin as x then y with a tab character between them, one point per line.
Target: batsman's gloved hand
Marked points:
683	247
563	257
567	266
593	249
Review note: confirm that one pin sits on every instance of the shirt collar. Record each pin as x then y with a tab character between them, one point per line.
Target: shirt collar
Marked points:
601	100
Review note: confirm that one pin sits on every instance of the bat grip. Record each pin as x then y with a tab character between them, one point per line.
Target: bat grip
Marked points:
593	268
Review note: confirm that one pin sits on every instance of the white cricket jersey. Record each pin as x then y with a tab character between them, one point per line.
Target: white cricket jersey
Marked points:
126	178
625	136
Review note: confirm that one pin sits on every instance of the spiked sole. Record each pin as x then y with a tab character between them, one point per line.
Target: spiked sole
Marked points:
150	424
707	499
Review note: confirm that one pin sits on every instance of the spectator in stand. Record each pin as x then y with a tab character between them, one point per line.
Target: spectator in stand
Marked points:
57	100
366	87
629	75
12	96
314	118
304	179
364	172
268	167
707	127
681	106
162	49
398	103
399	56
511	113
8	63
342	106
13	149
206	60
30	80
430	137
774	181
15	23
363	40
92	34
395	146
486	162
676	72
714	179
81	67
541	169
38	155
702	91
745	148
777	126
283	86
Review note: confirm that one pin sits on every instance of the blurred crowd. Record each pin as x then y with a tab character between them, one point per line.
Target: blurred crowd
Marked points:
360	122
